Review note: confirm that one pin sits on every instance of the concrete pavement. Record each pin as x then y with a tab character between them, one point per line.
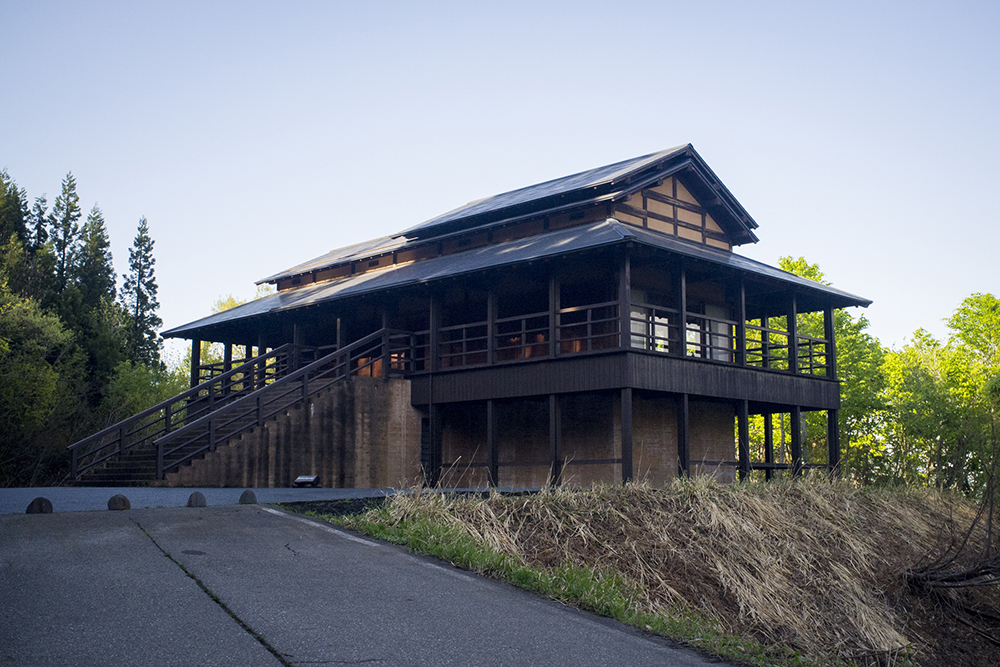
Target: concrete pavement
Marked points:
252	585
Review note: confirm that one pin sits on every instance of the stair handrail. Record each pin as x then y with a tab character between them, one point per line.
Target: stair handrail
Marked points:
122	426
254	401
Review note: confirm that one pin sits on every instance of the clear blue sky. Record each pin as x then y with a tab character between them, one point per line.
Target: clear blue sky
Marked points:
254	136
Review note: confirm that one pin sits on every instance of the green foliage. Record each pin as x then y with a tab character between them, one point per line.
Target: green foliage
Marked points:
135	387
13	209
35	356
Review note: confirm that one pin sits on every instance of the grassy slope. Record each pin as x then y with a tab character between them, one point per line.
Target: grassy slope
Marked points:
770	574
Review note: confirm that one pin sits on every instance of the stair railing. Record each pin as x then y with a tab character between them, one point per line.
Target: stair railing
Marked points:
163	418
384	353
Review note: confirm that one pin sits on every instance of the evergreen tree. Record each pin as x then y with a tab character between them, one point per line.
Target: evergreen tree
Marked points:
93	270
38	224
65	230
138	297
13	209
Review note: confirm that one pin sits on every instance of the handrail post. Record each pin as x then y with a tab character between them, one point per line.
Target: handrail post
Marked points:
211	397
166	418
386	356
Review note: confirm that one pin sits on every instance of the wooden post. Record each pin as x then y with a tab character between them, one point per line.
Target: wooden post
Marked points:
626	434
683	442
829	332
554	433
833	441
793	337
227	365
491	325
491	445
741	326
195	362
796	428
625	302
553	316
683	307
435	317
765	339
769	445
743	427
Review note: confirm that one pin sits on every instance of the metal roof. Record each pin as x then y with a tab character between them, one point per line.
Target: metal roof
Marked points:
573	239
584	180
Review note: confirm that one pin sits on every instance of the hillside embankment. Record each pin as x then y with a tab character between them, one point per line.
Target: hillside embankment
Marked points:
803	572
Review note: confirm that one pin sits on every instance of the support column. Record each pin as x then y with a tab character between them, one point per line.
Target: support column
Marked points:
769	445
227	365
765	339
195	362
743	427
492	456
435	324
793	337
741	326
829	332
625	302
626	434
833	441
682	302
795	425
491	325
555	428
553	316
683	437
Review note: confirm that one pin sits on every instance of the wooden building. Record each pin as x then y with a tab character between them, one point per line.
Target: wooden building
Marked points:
597	327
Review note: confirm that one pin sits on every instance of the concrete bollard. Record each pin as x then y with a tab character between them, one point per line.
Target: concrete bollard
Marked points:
119	502
197	499
248	497
39	506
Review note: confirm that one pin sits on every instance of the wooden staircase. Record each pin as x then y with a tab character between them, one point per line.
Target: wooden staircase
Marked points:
141	450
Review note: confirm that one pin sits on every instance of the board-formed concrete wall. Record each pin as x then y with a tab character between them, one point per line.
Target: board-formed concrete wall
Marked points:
360	433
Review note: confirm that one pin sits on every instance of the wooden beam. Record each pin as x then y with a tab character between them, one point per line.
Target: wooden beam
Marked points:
683	437
682	305
553	315
555	427
435	324
833	441
768	444
626	404
491	445
625	301
795	427
491	325
195	362
743	427
741	326
829	332
793	336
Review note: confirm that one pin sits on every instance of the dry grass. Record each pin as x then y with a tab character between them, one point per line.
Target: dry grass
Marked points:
812	566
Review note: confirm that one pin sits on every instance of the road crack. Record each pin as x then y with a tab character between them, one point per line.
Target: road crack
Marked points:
215	598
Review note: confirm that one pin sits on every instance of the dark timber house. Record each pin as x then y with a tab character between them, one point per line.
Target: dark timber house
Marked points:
597	327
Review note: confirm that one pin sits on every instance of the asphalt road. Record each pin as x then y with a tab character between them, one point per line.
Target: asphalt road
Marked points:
252	585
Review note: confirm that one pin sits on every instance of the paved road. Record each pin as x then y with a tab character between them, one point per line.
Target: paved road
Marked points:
251	585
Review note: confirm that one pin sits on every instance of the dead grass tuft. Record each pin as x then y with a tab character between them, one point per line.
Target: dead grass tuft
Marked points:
812	565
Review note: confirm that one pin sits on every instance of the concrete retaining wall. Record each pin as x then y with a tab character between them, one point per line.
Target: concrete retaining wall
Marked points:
359	433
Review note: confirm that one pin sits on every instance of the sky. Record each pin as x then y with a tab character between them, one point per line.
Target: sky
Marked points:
254	136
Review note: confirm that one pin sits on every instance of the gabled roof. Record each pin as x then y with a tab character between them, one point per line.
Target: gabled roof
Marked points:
613	182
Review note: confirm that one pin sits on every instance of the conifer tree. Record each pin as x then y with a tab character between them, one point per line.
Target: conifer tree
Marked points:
38	224
65	230
138	297
13	209
93	270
